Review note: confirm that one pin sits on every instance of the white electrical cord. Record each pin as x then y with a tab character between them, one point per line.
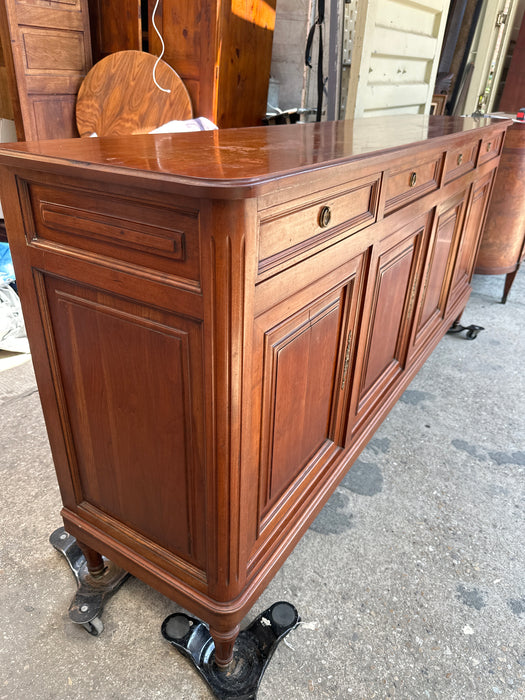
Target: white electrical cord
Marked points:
163	48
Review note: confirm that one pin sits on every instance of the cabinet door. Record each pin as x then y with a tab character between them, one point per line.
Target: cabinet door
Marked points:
385	335
303	350
437	276
470	238
47	49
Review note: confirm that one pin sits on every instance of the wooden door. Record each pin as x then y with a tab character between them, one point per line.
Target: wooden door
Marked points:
6	108
437	275
395	56
303	350
383	344
470	238
50	53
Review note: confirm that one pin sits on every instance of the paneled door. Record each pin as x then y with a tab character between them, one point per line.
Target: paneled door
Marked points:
384	341
304	351
49	55
395	56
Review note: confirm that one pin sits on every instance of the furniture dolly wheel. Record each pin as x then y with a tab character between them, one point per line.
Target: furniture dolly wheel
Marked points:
94	626
92	591
472	330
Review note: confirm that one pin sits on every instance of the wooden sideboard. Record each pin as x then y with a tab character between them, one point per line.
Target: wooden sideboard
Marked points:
219	321
502	246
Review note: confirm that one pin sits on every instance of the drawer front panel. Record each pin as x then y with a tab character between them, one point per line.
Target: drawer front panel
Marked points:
406	185
286	232
490	148
139	233
460	161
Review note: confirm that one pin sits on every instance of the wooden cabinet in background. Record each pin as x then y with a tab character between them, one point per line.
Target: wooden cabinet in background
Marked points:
47	53
221	50
219	321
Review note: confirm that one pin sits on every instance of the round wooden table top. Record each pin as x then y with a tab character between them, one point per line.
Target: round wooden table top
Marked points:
119	96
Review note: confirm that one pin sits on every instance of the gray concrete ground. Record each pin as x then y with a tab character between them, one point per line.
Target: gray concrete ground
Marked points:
410	583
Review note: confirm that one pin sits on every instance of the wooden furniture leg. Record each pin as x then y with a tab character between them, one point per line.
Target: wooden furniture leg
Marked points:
94	560
509	281
224	641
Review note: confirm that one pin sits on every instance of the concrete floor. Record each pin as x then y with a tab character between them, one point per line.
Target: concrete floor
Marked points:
410	583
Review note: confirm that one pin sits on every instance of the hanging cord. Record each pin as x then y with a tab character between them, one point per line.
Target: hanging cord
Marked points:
163	48
308	56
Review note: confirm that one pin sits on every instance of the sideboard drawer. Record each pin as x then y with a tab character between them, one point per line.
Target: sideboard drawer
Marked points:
409	183
460	161
289	229
490	147
119	228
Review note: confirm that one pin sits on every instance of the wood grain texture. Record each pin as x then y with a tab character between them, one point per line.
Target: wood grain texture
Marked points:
6	107
198	424
115	26
222	51
247	161
502	245
48	53
119	96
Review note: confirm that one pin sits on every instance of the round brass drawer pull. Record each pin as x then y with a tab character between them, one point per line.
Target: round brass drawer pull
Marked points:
413	178
324	217
460	158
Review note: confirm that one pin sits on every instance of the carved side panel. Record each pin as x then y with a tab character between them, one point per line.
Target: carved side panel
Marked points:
130	381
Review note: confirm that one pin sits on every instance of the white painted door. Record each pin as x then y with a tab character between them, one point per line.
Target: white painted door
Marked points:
395	56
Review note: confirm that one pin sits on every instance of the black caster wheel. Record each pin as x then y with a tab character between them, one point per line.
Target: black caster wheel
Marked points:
94	626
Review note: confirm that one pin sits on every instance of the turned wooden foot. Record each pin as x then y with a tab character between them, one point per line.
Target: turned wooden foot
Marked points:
94	561
224	641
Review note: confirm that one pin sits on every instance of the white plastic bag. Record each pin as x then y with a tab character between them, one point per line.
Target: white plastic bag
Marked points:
12	329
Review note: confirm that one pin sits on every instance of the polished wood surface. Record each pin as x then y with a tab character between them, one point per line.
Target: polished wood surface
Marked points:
119	96
207	382
47	51
502	246
243	159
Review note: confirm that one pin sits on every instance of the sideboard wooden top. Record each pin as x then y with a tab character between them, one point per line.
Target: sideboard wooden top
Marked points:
242	160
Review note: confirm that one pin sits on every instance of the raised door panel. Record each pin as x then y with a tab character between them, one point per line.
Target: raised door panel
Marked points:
50	55
385	338
304	347
437	275
468	246
129	388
